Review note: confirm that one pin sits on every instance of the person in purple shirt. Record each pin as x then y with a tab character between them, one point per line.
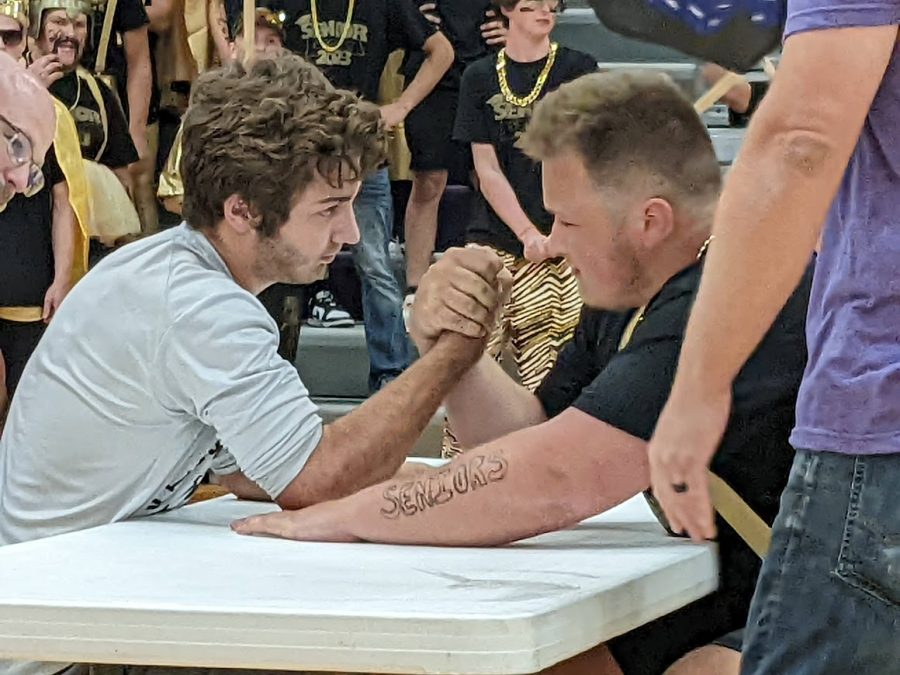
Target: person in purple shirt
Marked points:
822	151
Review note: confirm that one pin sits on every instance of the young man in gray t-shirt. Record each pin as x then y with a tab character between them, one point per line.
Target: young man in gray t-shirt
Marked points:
162	364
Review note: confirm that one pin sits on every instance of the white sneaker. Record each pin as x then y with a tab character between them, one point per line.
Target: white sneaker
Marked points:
324	312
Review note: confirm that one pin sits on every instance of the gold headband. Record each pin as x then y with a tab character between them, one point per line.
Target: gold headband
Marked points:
267	17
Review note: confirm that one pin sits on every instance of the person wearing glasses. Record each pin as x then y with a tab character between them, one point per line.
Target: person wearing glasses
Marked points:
37	222
23	99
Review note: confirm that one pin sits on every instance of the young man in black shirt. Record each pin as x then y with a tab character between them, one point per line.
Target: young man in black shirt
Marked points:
632	179
473	28
350	41
496	100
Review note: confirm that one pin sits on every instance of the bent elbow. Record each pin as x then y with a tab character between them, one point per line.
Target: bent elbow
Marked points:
439	49
805	151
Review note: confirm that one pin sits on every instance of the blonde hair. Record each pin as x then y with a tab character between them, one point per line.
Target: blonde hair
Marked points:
628	126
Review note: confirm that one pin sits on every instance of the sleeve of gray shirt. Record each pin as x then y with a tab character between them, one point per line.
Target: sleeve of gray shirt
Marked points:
219	362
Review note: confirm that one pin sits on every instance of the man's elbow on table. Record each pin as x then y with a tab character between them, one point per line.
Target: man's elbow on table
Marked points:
330	473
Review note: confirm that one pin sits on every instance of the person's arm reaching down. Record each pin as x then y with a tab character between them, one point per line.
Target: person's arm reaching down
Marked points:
503	200
767	224
63	241
138	85
532	481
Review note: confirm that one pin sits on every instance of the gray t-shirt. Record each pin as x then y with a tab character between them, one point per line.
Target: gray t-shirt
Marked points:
154	358
156	361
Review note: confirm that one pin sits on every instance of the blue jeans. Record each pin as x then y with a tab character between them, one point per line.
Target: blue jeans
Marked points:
382	300
828	595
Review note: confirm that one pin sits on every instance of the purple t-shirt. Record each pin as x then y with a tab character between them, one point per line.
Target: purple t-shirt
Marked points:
850	398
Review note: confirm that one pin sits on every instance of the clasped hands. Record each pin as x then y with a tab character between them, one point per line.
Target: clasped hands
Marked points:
461	293
458	299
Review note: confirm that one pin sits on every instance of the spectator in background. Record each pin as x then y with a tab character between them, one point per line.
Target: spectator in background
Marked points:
495	105
351	41
473	28
122	55
61	30
269	43
38	228
22	100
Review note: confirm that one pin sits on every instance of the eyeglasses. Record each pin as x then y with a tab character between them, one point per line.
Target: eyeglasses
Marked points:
12	37
21	153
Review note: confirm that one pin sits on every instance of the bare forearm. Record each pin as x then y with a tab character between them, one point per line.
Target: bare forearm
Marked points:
218	28
63	236
487	404
738	98
370	444
437	61
140	81
502	492
503	200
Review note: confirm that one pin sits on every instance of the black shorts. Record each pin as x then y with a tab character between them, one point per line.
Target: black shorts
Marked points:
17	343
429	135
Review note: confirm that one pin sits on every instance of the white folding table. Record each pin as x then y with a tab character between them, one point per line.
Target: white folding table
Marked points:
182	589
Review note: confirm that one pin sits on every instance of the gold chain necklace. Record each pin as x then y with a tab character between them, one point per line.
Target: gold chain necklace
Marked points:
524	101
638	315
348	23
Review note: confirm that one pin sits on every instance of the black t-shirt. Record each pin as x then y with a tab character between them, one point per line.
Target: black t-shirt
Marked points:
461	22
378	27
628	389
484	116
26	243
75	93
130	15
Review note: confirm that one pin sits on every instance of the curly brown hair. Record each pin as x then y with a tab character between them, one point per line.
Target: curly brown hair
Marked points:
264	133
626	126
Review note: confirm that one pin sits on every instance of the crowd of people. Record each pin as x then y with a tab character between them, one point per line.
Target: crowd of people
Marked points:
671	334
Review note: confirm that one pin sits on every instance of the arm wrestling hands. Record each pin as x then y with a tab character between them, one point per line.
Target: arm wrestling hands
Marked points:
455	311
461	293
456	306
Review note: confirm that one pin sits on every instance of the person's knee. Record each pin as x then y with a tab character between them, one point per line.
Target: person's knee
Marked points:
709	660
428	186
